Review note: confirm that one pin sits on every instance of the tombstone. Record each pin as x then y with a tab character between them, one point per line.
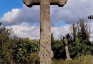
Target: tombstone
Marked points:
66	48
45	53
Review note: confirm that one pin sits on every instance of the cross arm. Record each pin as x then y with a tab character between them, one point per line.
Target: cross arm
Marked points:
29	3
60	3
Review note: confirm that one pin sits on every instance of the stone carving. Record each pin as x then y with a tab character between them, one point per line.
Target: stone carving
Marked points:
45	53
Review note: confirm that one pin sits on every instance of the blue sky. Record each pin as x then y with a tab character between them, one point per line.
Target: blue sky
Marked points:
25	22
8	5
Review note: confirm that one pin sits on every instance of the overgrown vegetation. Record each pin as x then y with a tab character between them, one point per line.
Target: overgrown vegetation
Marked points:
78	42
14	50
88	59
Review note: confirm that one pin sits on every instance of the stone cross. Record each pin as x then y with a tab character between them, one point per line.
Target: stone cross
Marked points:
66	48
45	53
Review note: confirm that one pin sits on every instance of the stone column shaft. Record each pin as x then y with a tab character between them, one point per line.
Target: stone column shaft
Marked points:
67	52
45	34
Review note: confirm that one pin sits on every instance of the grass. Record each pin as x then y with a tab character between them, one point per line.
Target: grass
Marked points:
80	60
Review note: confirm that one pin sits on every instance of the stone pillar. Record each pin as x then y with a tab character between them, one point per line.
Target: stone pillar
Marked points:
66	49
45	53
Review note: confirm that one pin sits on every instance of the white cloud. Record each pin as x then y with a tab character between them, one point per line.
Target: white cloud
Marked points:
26	31
9	17
83	0
18	16
60	32
72	11
33	32
91	30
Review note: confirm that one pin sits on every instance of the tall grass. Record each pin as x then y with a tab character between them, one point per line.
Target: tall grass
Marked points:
80	60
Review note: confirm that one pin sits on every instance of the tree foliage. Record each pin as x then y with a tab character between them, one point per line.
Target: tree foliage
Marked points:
78	42
17	50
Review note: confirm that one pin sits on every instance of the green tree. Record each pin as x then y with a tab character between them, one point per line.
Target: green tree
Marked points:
4	37
81	44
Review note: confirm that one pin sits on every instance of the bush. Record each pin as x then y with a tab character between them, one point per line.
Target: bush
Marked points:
21	50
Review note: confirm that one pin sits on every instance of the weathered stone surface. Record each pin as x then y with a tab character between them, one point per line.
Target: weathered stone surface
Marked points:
66	49
45	53
29	3
45	36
